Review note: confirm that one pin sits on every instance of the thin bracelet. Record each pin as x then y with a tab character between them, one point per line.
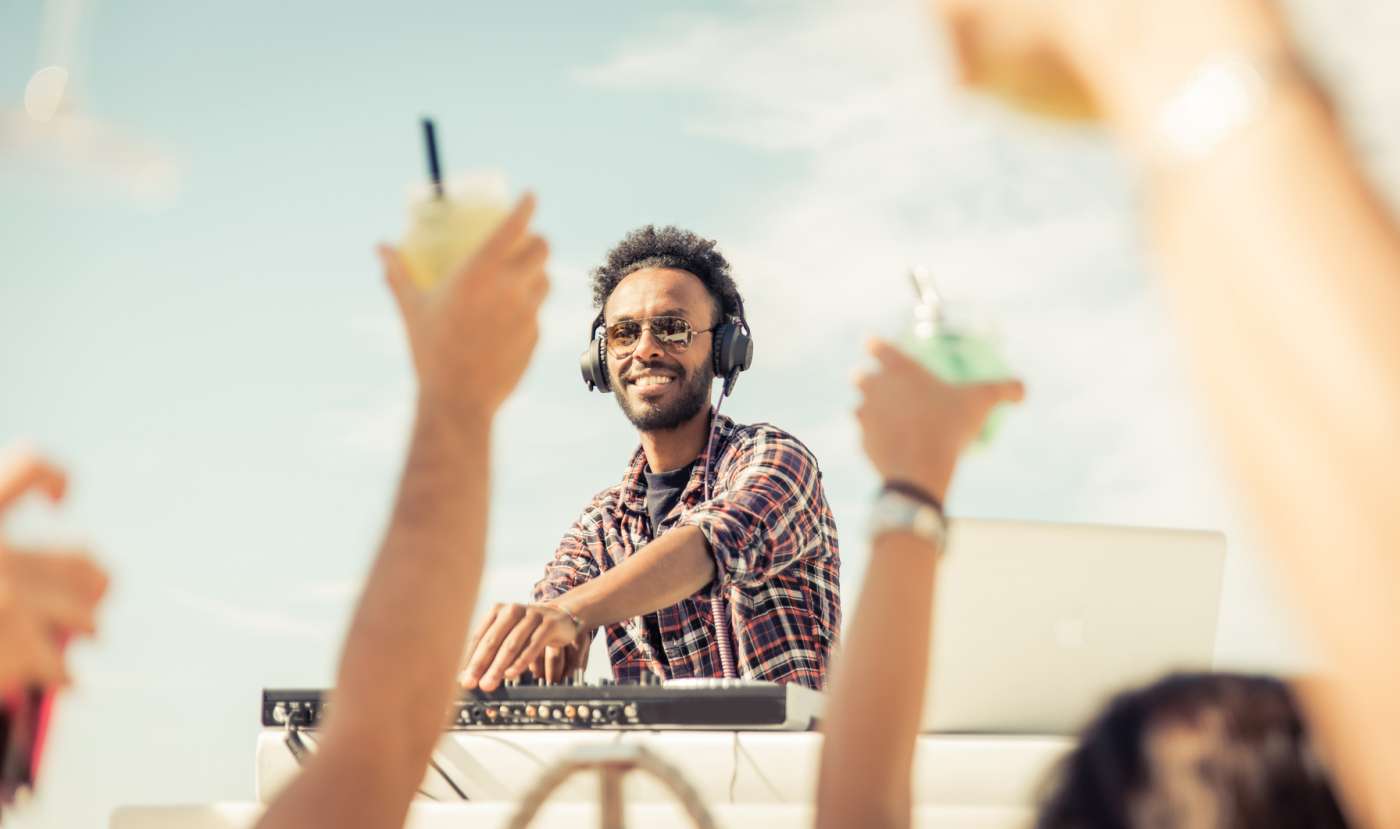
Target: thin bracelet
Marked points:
918	493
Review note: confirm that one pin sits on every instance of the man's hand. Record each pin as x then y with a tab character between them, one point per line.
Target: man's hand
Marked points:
1130	55
46	594
913	425
515	637
472	336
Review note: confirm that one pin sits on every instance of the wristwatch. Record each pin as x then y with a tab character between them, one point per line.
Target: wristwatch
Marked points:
901	508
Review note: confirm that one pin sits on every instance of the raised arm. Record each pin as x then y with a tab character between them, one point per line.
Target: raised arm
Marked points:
914	427
1283	269
470	341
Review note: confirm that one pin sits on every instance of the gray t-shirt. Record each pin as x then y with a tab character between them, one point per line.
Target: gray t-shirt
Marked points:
663	491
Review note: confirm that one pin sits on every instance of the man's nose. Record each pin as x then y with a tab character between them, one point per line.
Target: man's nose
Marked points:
648	347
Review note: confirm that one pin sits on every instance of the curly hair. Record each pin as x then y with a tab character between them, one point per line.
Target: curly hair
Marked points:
1194	750
669	247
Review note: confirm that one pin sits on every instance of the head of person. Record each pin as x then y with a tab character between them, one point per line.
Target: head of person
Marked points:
661	293
1194	751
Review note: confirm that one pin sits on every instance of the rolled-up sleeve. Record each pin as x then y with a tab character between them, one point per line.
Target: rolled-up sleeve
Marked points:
573	562
763	514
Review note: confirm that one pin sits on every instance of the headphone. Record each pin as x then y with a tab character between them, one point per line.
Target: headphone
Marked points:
732	352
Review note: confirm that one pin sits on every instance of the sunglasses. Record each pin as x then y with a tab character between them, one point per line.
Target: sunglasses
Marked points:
673	333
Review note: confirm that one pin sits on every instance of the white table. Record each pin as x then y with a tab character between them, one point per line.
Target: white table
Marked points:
750	767
568	816
747	779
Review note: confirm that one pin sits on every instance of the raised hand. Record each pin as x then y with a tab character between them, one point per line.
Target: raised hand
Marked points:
1126	56
914	425
47	594
472	336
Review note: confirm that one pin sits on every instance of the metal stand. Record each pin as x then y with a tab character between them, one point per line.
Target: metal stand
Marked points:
612	763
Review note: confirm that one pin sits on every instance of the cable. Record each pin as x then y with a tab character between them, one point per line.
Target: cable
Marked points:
294	743
777	795
733	766
718	610
432	761
297	742
523	750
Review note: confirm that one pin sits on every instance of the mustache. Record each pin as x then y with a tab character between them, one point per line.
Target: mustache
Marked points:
637	370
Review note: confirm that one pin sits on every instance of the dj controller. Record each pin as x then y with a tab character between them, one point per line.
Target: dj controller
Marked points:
696	704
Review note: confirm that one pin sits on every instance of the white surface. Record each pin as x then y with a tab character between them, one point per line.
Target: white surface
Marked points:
563	816
1037	624
747	767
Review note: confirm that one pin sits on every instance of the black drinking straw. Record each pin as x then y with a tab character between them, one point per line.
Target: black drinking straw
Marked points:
434	170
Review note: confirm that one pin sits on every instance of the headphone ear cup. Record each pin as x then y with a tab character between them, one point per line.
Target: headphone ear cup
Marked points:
594	366
733	349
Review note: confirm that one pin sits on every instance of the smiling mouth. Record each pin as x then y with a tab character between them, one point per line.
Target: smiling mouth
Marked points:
652	381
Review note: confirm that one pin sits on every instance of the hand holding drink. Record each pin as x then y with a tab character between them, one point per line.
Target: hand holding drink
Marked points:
953	344
449	221
48	593
471	308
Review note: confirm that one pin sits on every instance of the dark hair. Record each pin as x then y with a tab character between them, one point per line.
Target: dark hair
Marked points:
669	247
1194	750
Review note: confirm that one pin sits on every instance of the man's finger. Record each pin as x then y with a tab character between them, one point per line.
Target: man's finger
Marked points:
61	611
25	471
892	358
401	284
475	639
530	655
1001	391
503	240
573	659
531	255
509	650
486	647
553	664
67	570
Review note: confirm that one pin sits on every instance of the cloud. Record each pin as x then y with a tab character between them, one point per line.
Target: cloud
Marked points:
89	153
1033	224
1037	224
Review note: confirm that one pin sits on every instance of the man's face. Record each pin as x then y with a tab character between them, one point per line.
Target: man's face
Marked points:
657	386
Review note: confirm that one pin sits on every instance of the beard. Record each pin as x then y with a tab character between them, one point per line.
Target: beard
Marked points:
693	392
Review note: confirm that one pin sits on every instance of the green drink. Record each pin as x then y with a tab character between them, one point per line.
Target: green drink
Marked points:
953	346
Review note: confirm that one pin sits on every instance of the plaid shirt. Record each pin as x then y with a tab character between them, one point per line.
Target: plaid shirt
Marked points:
774	542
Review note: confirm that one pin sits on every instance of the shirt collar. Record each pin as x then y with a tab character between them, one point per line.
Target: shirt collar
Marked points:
634	486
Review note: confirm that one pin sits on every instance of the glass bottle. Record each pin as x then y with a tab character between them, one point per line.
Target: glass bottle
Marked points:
953	343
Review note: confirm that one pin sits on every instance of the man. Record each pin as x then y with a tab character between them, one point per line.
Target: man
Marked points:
701	555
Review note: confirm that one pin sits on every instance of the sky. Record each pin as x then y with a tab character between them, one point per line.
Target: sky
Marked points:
192	319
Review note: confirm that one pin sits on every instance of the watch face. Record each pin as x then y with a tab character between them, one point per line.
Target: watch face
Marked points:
897	512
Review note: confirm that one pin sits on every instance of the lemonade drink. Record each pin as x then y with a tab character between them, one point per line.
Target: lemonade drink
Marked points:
445	230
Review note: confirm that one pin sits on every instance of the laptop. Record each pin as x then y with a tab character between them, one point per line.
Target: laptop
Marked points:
1037	625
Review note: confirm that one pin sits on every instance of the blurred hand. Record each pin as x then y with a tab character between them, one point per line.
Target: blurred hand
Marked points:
516	637
47	594
913	425
1130	55
472	337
